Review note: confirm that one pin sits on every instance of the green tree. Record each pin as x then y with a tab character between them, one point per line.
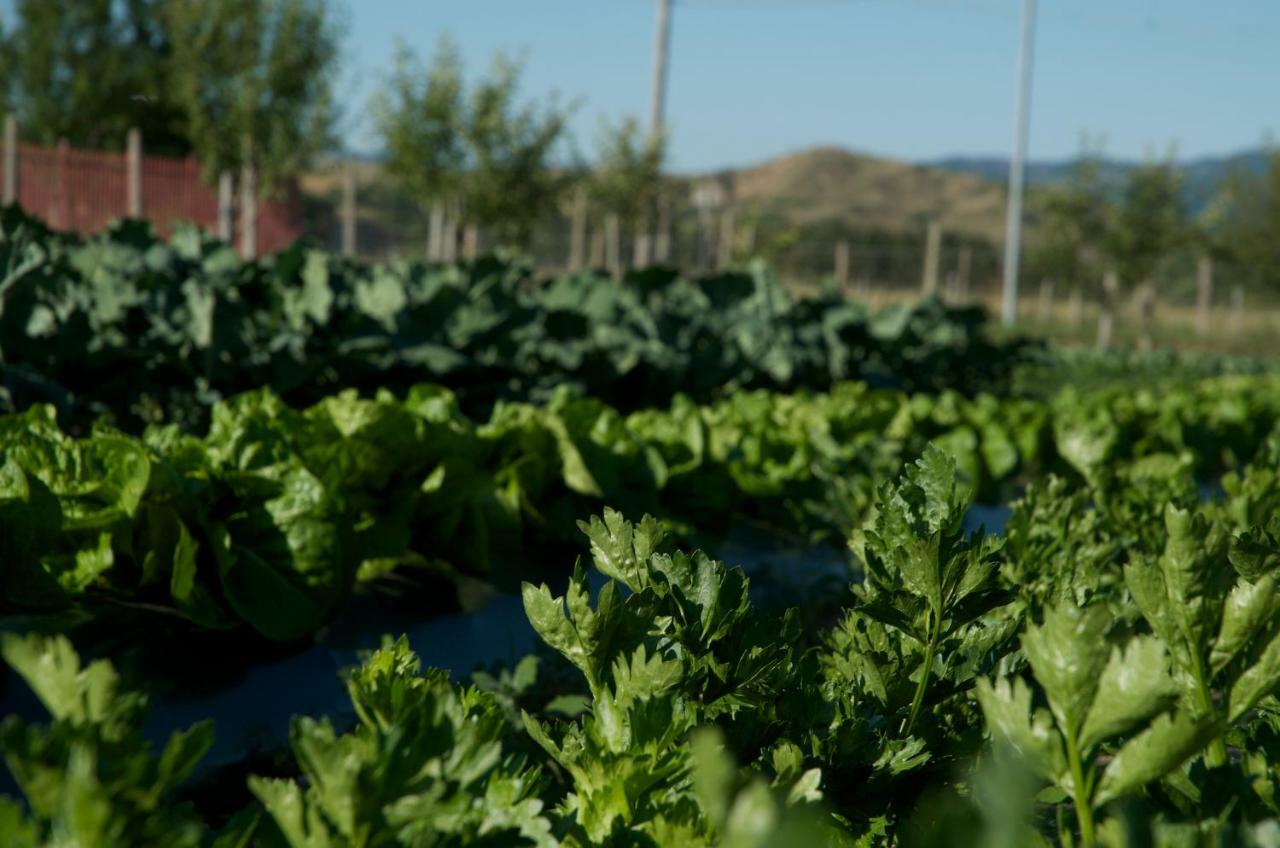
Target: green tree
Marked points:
1147	223
480	150
419	115
87	71
510	182
1073	226
1242	224
254	81
628	173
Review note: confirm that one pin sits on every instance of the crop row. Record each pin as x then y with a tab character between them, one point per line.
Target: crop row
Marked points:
1103	674
147	331
272	518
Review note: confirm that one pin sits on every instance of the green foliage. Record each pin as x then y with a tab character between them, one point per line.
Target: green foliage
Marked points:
158	331
425	765
627	176
480	149
89	778
926	589
254	80
87	71
1098	694
1147	223
420	115
671	644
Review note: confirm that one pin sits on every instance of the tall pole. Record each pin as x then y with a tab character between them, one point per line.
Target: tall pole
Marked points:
1013	224
661	48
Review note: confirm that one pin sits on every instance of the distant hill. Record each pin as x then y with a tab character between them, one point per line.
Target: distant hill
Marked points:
830	185
1203	175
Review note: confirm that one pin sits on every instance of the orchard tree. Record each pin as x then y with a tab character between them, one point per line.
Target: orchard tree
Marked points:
1242	224
1073	227
419	115
1147	224
479	152
86	71
628	172
510	180
254	81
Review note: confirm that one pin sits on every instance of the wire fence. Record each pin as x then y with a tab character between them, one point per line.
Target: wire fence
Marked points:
340	208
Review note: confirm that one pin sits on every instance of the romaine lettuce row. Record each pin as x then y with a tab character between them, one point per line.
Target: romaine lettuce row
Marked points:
1222	626
425	765
1101	697
69	504
925	611
89	778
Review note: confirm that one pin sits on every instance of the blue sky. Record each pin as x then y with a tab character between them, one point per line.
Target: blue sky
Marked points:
911	79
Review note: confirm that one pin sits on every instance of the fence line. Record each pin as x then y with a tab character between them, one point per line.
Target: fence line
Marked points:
83	191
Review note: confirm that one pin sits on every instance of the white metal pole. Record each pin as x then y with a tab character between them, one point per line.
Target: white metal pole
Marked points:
1013	223
661	49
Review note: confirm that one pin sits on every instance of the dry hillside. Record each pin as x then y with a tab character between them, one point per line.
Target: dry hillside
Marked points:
828	183
819	186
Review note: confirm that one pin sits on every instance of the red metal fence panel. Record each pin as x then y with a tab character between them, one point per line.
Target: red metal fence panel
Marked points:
85	190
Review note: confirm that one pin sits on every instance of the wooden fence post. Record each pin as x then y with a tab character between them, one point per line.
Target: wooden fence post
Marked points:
248	210
642	248
932	250
596	259
842	266
1107	312
1204	293
662	239
613	244
1237	310
470	242
349	208
449	231
749	240
1046	300
1146	304
226	206
60	212
728	232
133	173
435	231
10	160
964	272
578	232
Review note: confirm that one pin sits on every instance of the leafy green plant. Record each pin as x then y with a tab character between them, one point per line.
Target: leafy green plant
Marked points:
927	586
1221	626
1102	698
89	777
424	765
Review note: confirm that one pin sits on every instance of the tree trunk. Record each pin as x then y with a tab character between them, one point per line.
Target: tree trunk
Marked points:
1076	309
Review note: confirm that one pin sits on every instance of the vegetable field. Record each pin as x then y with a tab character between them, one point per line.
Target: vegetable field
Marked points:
213	472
